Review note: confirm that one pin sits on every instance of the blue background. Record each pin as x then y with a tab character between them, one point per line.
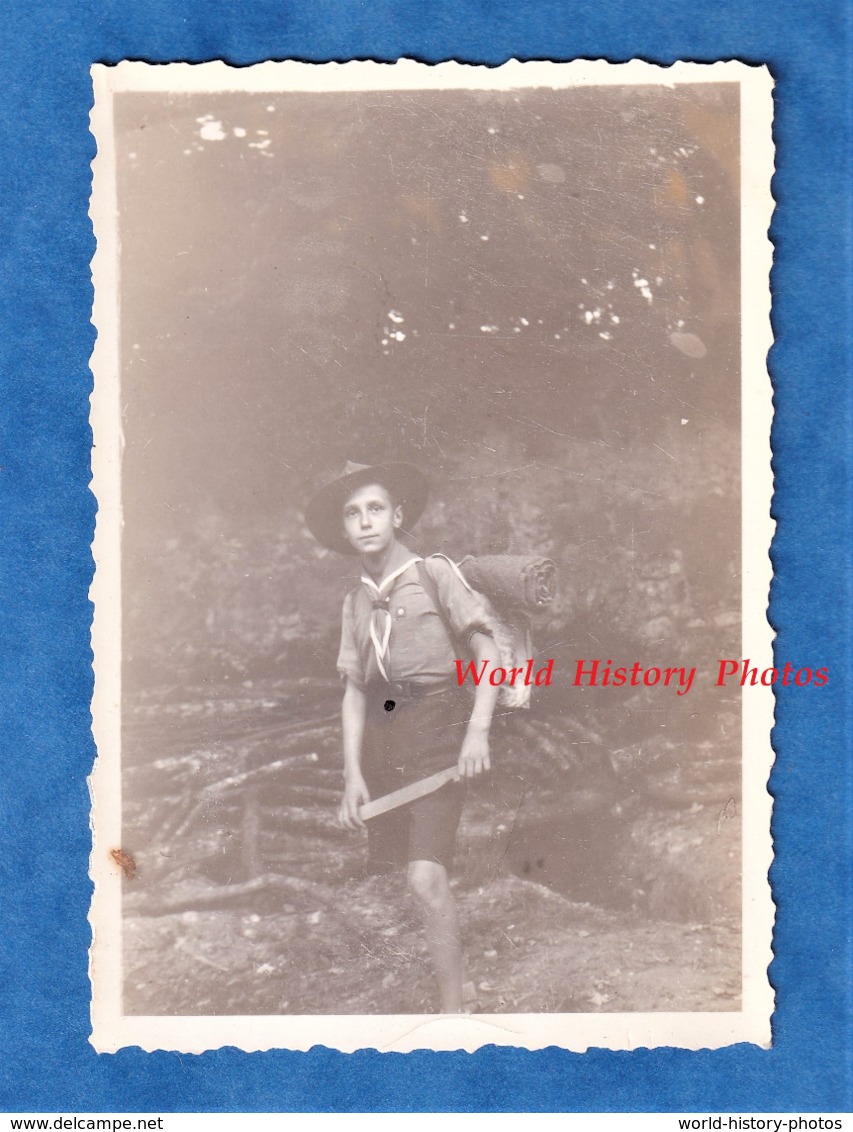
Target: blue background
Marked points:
47	520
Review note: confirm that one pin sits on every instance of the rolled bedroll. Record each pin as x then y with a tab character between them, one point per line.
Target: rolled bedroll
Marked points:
526	583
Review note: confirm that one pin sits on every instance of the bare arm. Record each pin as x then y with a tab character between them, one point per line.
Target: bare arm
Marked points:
353	713
474	756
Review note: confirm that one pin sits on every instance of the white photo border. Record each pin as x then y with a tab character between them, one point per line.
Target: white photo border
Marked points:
577	1032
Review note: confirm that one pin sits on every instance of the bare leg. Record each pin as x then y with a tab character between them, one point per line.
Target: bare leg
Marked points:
431	888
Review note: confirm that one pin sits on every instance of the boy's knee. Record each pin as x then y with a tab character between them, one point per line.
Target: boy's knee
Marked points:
428	881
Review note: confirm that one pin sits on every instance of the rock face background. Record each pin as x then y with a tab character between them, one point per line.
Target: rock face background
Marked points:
534	296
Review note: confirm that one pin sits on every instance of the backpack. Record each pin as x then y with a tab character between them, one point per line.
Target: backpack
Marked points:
510	588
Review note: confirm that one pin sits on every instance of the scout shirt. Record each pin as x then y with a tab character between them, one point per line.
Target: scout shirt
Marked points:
412	640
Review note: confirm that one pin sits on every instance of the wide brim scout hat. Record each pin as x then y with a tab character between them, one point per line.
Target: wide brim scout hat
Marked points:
405	483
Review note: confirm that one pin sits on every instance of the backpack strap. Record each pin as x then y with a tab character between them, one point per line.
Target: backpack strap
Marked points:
456	570
360	594
431	589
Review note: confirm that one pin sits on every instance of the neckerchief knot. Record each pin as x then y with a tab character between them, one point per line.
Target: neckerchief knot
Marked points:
381	619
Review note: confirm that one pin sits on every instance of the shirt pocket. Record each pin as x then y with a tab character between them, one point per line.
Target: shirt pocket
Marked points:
417	604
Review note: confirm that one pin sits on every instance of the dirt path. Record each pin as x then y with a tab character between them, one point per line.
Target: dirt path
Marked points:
250	900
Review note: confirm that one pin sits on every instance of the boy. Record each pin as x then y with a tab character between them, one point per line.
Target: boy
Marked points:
404	715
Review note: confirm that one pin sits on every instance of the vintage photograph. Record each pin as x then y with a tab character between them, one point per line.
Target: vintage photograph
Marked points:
431	422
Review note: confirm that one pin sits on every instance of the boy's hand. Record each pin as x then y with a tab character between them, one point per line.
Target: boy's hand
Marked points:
474	756
355	795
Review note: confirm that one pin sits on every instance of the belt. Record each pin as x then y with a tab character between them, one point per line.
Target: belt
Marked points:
407	690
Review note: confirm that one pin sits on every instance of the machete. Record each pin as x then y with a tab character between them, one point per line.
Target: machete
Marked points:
408	793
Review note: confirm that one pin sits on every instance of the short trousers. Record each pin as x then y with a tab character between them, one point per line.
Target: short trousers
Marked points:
415	739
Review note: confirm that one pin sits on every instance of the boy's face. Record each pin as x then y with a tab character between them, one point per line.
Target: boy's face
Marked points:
371	520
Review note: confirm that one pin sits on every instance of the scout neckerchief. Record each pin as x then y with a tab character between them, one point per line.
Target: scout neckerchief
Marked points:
381	619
